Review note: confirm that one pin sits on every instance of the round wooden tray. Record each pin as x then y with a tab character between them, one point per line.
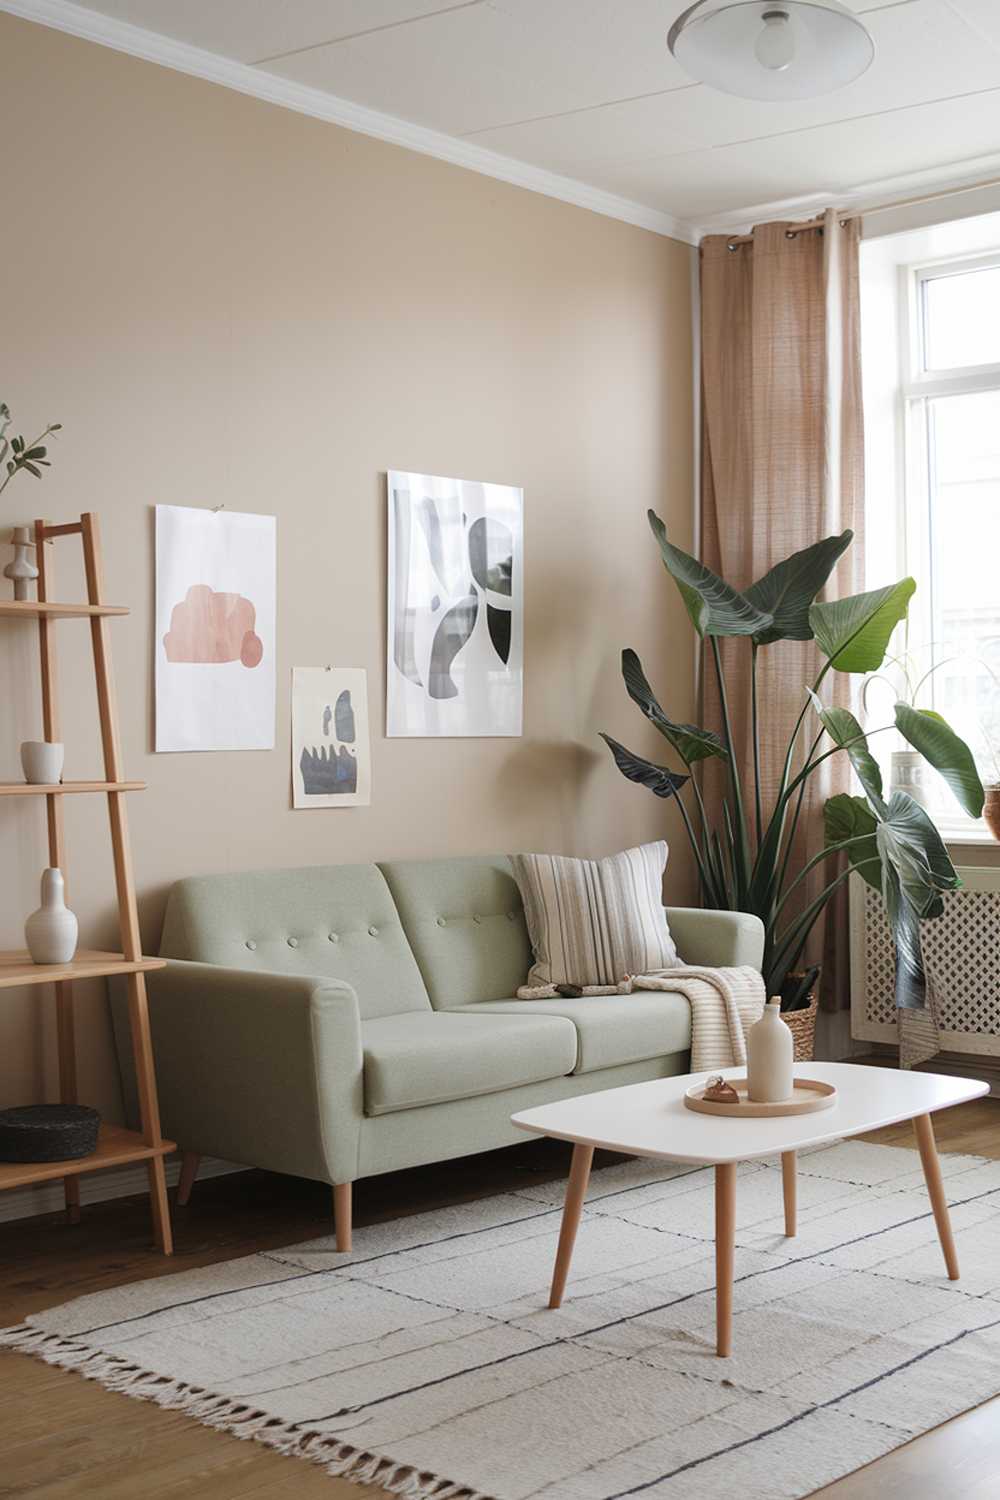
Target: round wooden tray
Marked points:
810	1095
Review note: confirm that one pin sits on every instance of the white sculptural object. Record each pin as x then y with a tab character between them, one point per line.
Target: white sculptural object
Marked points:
22	570
51	931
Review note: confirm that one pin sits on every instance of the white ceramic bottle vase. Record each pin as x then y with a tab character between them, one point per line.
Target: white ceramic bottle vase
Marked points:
51	931
770	1050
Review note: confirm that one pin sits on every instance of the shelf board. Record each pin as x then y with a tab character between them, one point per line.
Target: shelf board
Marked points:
16	967
33	609
115	1147
66	788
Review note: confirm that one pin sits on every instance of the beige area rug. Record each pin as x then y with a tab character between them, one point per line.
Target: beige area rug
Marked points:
427	1361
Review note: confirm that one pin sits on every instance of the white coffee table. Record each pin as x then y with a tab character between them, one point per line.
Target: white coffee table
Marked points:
651	1119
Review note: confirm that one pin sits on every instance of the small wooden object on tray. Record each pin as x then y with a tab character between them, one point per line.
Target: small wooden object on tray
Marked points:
810	1094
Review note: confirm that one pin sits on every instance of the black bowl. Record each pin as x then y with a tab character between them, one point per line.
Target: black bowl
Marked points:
48	1132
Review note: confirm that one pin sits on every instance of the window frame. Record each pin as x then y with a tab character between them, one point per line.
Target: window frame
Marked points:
916	387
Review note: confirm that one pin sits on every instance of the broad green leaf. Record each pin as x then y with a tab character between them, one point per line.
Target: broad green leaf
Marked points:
854	633
938	743
787	591
661	782
845	731
909	844
714	608
911	977
691	743
847	817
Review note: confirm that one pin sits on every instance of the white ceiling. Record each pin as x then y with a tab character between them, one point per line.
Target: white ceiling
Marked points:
586	89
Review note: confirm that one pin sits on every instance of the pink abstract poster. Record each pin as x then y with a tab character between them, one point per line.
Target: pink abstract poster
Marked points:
215	629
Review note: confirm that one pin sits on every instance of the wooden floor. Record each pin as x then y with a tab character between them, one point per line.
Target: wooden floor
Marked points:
64	1438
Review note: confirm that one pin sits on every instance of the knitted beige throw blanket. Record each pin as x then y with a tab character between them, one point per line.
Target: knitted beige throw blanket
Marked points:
724	1002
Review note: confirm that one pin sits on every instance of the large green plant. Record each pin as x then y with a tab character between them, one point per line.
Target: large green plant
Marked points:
745	860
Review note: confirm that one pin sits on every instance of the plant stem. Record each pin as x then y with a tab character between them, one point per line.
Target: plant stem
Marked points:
741	851
799	930
857	838
756	743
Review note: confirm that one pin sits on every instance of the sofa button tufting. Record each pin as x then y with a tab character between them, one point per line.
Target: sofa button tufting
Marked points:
334	938
293	942
477	920
251	944
373	931
512	916
442	922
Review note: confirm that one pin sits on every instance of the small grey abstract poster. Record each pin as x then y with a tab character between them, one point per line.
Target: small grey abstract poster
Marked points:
331	760
456	607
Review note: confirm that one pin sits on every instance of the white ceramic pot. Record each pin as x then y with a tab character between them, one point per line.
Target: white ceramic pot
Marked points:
907	775
51	931
42	761
770	1051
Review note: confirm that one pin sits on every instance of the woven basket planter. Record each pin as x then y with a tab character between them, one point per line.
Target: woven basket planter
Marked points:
802	1025
48	1132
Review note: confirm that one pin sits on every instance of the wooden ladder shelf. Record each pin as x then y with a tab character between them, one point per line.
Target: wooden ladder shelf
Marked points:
116	1147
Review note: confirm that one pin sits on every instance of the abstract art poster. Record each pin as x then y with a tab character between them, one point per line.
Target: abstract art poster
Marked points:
215	629
331	759
455	607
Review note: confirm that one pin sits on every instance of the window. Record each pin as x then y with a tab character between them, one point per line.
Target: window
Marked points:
934	447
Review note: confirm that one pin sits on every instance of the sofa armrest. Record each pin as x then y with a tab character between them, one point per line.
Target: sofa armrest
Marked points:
717	939
262	1069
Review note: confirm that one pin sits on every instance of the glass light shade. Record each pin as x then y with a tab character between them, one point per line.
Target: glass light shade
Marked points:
772	49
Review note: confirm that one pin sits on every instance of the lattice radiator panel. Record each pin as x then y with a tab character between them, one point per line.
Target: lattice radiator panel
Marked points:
961	950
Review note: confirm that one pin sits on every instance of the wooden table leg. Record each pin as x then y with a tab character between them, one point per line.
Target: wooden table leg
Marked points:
788	1182
924	1131
725	1246
576	1191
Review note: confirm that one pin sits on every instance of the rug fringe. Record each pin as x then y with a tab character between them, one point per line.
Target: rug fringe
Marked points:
340	1460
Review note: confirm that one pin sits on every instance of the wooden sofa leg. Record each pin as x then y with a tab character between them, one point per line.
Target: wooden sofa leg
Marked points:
190	1162
342	1214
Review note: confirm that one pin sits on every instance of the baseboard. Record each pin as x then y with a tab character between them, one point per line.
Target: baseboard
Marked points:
98	1187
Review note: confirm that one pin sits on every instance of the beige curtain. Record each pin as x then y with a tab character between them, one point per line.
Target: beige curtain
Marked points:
782	466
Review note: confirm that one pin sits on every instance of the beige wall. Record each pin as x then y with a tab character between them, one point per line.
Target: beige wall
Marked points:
228	303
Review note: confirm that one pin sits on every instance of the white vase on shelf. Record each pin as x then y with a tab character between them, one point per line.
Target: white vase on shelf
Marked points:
770	1050
51	932
42	762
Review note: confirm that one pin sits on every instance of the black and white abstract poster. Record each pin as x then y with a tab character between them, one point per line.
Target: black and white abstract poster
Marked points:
456	607
331	760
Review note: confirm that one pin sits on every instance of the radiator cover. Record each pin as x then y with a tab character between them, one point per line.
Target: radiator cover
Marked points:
961	951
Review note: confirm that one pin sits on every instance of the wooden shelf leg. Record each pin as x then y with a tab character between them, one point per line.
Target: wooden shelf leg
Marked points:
142	1047
66	1041
149	1109
160	1206
65	1031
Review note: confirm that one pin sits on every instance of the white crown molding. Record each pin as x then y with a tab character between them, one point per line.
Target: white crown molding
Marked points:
98	1187
151	46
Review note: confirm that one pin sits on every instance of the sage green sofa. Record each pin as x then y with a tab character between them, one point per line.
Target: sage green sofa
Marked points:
342	1021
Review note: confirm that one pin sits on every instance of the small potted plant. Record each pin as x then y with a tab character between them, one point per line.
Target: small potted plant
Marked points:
745	858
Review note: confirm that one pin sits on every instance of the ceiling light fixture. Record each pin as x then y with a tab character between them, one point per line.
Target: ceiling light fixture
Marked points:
772	49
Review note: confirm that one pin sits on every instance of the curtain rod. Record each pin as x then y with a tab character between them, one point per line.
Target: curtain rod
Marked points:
879	208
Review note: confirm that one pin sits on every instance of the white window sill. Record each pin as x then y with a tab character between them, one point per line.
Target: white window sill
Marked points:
968	833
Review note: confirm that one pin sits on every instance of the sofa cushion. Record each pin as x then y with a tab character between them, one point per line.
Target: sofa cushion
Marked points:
612	1029
332	921
432	1057
465	923
592	921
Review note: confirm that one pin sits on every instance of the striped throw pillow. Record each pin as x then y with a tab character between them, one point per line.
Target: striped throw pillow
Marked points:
592	921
